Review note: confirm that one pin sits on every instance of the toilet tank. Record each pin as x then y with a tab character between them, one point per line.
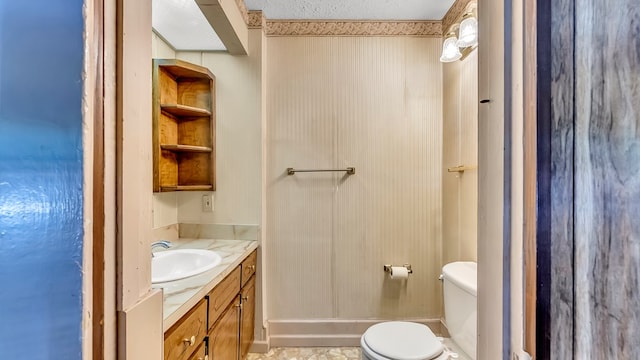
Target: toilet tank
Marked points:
460	304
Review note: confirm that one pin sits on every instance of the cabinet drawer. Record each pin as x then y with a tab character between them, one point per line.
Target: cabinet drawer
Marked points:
249	267
222	295
199	354
184	338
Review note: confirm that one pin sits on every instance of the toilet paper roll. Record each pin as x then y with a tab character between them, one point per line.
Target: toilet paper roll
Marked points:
399	272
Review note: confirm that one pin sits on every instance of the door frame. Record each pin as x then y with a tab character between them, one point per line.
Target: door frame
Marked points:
98	274
100	324
548	69
530	177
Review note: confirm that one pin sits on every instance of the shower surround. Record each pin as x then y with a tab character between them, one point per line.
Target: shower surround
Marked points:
373	103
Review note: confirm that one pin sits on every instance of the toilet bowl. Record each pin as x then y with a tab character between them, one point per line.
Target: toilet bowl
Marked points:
393	340
401	340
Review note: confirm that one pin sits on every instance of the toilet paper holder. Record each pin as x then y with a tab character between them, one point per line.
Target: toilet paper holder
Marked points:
387	268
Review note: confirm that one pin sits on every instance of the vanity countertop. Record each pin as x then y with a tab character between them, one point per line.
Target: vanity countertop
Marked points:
181	295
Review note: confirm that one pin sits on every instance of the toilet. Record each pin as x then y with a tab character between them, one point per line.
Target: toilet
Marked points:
403	340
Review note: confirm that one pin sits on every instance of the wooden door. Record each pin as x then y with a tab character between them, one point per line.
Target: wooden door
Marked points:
588	224
223	338
247	323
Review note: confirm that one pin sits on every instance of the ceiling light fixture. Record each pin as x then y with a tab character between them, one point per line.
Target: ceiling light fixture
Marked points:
450	50
468	31
458	47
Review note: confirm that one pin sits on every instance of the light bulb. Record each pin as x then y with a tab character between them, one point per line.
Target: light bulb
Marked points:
450	50
468	32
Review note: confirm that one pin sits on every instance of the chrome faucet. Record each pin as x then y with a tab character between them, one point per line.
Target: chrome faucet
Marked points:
163	243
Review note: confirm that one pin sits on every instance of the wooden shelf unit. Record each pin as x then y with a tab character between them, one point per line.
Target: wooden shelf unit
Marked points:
183	126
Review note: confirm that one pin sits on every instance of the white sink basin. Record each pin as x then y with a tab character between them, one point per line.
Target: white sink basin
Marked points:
178	264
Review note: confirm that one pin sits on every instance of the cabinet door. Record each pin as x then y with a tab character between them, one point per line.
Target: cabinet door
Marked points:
223	339
223	294
248	299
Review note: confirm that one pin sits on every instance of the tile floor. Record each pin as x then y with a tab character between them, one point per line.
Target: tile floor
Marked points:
324	353
320	353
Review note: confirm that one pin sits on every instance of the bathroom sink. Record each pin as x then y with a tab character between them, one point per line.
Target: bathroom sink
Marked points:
178	264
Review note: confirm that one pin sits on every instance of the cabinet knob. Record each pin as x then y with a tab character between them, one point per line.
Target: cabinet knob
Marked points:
189	341
245	298
252	267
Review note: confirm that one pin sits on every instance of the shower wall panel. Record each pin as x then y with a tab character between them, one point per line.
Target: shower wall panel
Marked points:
375	104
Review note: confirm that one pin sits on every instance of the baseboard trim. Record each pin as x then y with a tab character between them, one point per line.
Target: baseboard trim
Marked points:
319	333
259	347
337	340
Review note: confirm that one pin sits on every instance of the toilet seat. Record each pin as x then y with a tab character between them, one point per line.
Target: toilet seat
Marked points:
401	340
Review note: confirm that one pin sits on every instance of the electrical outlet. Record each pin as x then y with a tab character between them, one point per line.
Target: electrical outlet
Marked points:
207	203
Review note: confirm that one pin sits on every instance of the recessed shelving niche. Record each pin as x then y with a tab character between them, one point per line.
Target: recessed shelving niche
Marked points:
183	126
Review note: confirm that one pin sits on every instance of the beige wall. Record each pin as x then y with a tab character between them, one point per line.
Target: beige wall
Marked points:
161	49
375	104
460	147
237	199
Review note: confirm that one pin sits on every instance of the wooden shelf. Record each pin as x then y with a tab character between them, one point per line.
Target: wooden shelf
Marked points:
186	148
187	188
182	69
183	110
183	113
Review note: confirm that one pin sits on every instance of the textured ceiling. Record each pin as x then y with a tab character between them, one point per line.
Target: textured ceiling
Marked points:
352	9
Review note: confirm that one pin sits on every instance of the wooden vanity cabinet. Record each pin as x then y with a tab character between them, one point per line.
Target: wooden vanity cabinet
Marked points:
220	326
232	334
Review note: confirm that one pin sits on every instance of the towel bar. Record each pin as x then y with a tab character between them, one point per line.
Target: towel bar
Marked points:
349	170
